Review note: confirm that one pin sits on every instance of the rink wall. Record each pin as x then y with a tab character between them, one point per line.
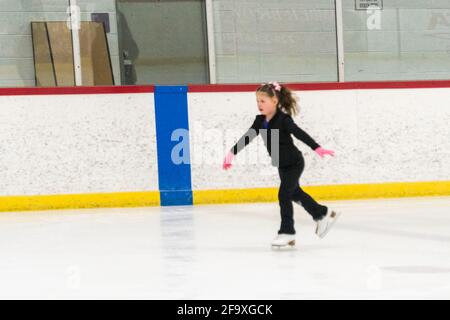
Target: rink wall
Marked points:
144	145
392	139
77	148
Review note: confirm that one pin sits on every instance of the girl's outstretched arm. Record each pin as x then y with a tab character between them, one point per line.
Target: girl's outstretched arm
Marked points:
306	138
251	133
248	137
301	135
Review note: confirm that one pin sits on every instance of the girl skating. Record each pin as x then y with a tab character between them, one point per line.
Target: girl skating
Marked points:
276	105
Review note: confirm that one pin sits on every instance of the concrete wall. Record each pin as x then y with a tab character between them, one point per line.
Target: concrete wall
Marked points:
296	41
16	50
289	40
413	41
256	40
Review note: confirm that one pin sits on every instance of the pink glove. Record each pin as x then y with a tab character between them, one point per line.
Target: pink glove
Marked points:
322	152
227	161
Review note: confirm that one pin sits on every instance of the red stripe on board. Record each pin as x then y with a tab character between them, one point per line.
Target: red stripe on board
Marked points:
227	87
223	88
326	86
75	90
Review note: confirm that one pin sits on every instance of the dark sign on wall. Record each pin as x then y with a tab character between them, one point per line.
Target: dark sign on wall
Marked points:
368	4
101	17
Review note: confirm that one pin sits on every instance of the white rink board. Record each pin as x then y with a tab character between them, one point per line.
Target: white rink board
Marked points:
83	143
379	136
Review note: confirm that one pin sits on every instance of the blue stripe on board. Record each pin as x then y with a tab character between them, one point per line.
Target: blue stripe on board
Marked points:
172	136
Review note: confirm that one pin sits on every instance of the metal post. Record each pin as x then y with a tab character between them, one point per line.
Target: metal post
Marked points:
74	12
340	41
211	42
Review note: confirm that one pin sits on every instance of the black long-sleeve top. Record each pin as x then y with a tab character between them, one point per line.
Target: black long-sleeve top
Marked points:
288	154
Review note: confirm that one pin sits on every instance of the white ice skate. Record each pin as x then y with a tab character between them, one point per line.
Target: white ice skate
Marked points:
324	225
283	240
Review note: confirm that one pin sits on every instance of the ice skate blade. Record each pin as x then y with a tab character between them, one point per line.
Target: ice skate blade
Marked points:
290	244
334	216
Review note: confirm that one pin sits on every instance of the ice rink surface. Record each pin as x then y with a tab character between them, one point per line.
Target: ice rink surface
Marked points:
379	249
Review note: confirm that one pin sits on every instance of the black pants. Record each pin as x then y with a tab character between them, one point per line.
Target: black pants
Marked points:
290	191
